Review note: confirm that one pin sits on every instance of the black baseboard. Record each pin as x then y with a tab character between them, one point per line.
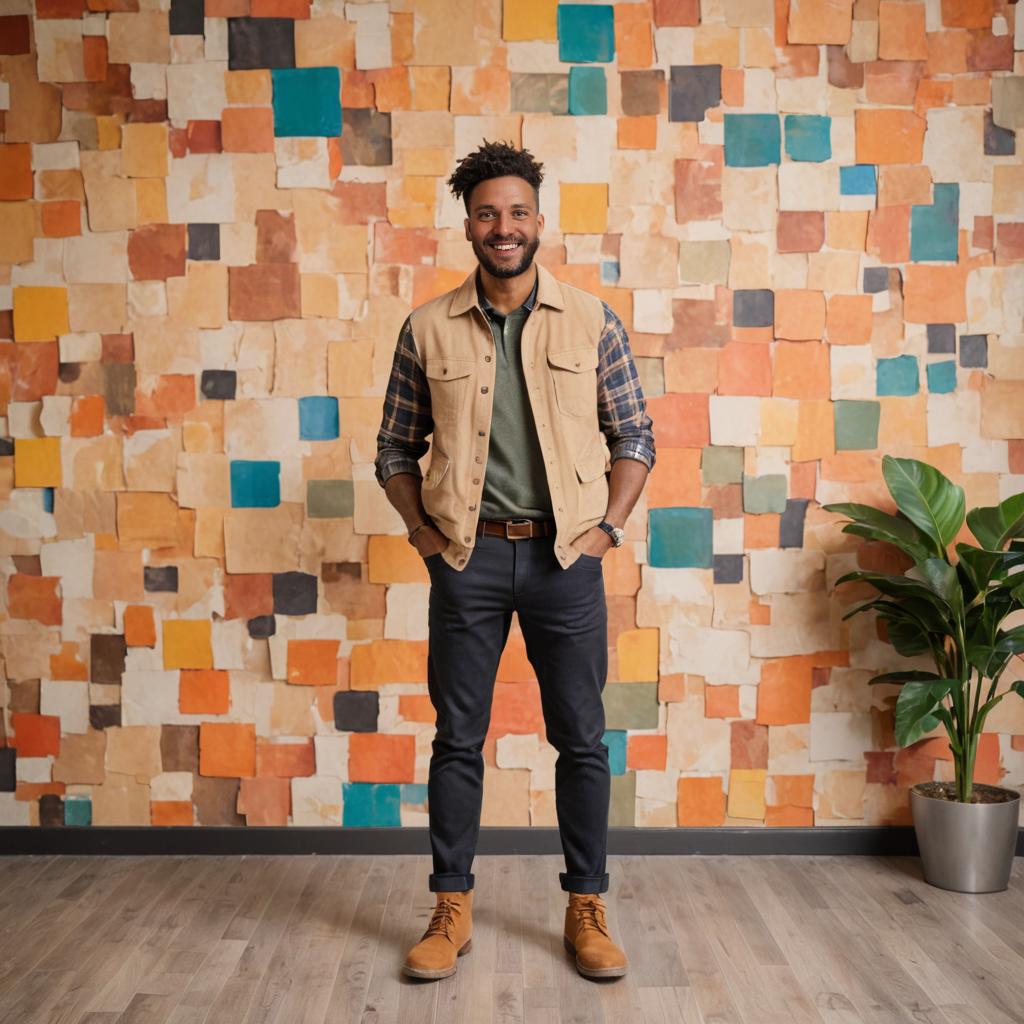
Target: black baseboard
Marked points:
235	841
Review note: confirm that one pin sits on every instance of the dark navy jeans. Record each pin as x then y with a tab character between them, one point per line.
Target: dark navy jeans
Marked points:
564	621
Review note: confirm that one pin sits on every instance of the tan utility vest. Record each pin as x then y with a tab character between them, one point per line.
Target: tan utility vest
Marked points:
559	350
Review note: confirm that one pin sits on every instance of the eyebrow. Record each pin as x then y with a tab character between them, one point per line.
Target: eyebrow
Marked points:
491	206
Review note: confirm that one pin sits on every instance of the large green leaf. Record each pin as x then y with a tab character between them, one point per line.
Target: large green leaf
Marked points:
980	565
926	497
910	676
907	636
1018	687
993	525
915	709
941	579
1011	641
874	524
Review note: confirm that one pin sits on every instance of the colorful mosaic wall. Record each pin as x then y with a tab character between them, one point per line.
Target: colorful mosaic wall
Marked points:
213	221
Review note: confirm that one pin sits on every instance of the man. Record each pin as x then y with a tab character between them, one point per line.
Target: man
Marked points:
529	388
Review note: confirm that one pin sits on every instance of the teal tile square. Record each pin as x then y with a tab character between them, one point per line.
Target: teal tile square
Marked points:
307	101
414	793
630	705
588	91
808	137
371	803
856	424
615	741
764	493
897	376
255	483
77	810
857	180
586	33
941	377
680	538
934	229
329	499
318	418
752	140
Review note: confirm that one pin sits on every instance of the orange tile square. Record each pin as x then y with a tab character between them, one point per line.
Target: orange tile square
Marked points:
888	135
387	661
286	760
16	180
87	412
700	802
227	749
721	701
378	757
761	530
247	130
313	662
801	370
675	479
646	753
139	626
67	664
799	314
637	132
35	735
901	31
61	218
392	559
681	421
744	369
416	707
171	812
848	319
204	692
634	38
34	597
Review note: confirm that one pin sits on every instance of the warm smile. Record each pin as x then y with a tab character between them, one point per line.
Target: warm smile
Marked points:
504	246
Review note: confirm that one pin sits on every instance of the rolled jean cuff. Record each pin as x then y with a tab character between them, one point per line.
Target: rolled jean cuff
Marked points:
450	883
583	883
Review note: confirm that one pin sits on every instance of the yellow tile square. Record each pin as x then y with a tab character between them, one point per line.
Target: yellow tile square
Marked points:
40	313
584	208
37	462
187	643
746	793
529	19
319	294
144	153
638	655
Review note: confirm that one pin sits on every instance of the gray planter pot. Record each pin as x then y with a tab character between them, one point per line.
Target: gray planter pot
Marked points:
966	847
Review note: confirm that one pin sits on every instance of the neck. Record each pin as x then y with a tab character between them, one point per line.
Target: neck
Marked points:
508	293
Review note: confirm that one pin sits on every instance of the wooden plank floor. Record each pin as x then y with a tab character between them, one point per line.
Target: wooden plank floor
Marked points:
305	940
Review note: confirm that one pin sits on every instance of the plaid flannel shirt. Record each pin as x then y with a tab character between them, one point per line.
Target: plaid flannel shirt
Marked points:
621	409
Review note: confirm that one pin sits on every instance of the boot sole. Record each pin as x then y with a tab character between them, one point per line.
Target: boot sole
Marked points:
436	972
594	972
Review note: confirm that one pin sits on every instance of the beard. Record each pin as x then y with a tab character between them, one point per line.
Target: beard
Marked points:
484	255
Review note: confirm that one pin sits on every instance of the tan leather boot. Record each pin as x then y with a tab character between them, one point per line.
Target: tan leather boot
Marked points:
448	936
587	937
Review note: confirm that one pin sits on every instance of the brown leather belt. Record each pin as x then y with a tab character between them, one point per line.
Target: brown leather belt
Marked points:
516	529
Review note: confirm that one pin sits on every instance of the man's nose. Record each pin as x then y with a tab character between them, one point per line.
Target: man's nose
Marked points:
505	224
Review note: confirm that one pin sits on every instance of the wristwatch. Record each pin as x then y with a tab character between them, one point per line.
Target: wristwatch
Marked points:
617	535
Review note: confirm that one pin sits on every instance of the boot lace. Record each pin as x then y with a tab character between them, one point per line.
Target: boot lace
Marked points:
590	914
443	918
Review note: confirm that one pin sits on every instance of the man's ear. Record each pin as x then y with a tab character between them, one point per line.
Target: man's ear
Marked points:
540	224
469	237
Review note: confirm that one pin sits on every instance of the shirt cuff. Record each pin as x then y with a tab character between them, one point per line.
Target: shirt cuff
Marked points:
633	450
387	465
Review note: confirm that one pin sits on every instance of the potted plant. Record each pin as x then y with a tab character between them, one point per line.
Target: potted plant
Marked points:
953	612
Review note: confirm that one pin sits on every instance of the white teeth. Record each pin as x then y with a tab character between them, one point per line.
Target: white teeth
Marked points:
504	248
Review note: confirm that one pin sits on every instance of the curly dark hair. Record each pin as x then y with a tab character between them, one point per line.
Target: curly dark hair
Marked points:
494	160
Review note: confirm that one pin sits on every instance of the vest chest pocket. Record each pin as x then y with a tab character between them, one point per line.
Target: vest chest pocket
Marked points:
448	380
574	372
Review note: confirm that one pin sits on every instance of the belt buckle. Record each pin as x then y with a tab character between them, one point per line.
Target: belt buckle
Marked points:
527	523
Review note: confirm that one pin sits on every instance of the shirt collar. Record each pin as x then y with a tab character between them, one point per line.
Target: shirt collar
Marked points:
485	305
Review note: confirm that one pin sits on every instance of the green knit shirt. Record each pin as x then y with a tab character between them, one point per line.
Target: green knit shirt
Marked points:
515	484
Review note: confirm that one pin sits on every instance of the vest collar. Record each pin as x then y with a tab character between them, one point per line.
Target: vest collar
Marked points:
549	292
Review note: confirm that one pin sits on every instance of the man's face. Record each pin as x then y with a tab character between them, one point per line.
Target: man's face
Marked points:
504	225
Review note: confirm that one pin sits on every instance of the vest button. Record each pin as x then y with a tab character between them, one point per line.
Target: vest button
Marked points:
478	459
462	561
472	508
476	480
480	433
484	390
487	359
468	539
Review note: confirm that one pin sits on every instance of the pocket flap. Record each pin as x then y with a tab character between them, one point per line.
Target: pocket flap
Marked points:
590	463
575	359
448	369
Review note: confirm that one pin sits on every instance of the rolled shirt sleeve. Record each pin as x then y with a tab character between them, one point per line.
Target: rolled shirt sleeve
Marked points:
621	408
